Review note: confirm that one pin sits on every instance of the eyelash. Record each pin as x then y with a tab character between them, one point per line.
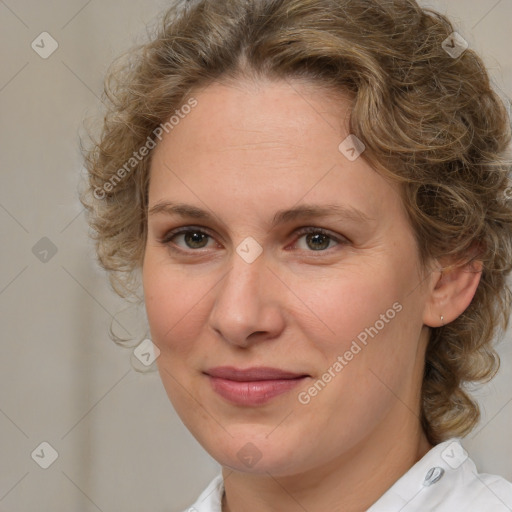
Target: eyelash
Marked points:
167	238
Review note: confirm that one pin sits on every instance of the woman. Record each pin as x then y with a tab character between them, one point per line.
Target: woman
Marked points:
313	196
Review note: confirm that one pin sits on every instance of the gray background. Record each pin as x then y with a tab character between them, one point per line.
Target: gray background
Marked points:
120	444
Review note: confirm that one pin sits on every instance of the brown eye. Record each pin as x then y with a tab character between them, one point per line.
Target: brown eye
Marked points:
195	239
316	240
186	239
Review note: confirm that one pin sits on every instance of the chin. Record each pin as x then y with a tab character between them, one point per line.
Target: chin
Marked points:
252	450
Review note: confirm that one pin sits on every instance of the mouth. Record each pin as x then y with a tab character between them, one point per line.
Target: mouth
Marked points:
252	386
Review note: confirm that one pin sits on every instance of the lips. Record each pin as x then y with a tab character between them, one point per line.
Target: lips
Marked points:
252	386
252	374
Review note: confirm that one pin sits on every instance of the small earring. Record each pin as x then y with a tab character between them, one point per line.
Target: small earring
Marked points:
442	319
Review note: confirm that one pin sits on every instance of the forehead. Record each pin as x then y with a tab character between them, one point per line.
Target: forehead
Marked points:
249	114
273	143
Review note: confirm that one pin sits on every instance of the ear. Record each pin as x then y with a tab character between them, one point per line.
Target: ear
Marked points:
453	289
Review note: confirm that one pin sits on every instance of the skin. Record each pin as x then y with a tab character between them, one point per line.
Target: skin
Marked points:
247	150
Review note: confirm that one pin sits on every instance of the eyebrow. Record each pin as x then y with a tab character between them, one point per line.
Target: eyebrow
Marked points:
305	211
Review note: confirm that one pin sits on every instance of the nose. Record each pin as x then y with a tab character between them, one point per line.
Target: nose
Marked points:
247	306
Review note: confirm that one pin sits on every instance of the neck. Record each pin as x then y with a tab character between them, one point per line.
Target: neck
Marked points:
351	482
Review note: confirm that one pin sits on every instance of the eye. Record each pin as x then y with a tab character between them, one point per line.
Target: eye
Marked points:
317	239
192	238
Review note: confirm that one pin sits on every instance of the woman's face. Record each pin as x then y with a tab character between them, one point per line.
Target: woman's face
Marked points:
269	247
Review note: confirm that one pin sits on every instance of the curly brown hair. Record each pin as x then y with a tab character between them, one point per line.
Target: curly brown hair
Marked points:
429	120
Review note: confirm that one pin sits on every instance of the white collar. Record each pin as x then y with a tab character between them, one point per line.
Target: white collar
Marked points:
444	480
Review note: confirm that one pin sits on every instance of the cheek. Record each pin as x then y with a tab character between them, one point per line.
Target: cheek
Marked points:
172	308
342	306
362	326
177	308
364	350
166	300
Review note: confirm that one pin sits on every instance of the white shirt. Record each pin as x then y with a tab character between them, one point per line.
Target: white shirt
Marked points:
444	480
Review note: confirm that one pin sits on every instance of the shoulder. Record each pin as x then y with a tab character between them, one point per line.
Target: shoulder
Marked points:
446	479
211	498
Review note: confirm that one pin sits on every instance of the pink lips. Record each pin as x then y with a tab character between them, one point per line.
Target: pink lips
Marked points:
252	386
